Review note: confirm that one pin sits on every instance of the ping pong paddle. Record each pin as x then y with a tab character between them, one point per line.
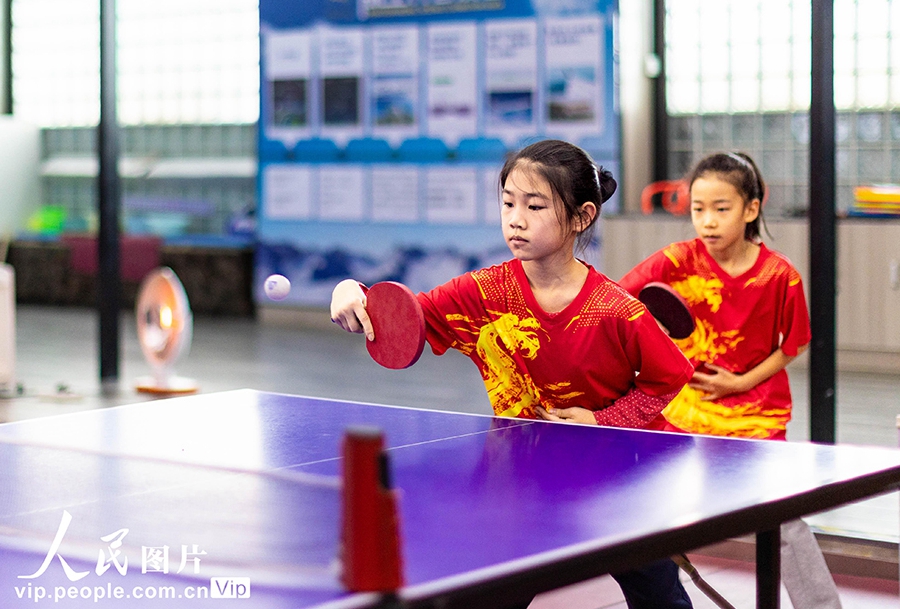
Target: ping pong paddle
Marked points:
669	308
399	325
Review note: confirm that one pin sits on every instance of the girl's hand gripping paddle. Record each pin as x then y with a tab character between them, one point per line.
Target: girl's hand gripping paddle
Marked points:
399	325
669	308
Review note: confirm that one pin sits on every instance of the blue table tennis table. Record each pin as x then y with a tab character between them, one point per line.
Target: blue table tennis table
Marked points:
233	499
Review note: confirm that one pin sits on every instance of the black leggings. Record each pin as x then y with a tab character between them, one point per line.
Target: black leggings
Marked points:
653	586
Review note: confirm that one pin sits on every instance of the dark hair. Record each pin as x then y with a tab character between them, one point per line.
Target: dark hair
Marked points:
572	175
739	170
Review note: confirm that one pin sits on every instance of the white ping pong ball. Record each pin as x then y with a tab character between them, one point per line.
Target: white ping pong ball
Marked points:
277	287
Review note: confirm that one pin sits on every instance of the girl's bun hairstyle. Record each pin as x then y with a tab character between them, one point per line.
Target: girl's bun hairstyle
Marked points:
606	182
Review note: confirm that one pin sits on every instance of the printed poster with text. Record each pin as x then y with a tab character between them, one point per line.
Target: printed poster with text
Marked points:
392	119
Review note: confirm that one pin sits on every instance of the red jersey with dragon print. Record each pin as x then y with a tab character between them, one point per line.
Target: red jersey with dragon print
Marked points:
740	321
586	355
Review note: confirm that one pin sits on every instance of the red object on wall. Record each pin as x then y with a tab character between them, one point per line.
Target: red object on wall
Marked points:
674	194
138	255
370	538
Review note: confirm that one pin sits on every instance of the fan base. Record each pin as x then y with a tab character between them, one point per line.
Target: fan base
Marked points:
170	385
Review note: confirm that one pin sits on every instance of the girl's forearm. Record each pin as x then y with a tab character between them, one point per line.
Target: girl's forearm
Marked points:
770	366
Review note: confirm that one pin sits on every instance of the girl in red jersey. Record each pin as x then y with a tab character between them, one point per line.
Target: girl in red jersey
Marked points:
552	337
751	322
747	302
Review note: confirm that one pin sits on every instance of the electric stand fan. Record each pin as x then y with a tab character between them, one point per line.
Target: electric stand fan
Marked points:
164	326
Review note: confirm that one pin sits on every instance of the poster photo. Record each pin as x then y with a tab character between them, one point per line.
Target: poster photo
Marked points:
452	64
395	193
511	75
287	76
342	73
286	193
395	82
573	86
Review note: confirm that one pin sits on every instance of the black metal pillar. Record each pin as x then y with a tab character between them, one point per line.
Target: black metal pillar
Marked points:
822	226
768	569
109	195
6	56
660	111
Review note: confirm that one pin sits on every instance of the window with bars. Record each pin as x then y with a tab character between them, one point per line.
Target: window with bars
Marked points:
738	77
754	56
178	62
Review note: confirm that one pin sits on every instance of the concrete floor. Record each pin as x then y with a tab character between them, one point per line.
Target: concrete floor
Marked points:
59	346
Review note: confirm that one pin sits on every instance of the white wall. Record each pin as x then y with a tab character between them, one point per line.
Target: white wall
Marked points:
19	174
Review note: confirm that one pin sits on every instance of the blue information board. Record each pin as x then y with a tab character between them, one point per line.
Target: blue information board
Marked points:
384	123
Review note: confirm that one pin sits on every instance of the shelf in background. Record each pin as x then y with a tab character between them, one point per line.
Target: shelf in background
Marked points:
153	168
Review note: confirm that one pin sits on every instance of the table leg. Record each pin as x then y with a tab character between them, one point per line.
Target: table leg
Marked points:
768	569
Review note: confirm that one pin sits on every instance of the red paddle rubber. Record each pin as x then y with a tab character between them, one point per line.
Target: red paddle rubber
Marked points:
399	325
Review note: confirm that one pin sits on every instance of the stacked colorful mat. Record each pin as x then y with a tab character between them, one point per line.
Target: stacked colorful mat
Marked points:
882	200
